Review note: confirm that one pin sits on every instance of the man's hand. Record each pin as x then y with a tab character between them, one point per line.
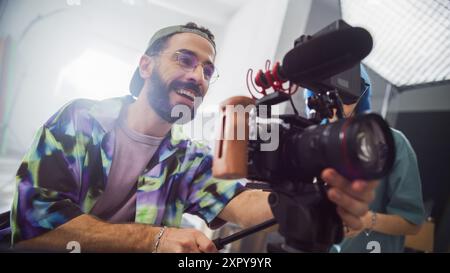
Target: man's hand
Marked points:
175	240
351	197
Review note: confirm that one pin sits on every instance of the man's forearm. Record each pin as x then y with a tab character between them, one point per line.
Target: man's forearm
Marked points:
248	208
94	235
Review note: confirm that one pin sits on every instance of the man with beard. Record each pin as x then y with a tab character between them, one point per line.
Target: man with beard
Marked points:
111	176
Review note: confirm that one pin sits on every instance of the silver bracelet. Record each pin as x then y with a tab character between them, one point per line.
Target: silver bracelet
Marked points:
158	239
372	225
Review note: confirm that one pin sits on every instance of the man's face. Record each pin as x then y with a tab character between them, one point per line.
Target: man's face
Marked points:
171	83
348	111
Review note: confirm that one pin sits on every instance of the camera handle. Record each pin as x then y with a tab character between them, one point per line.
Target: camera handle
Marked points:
221	242
307	219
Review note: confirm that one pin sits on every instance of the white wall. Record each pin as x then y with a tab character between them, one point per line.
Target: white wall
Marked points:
251	37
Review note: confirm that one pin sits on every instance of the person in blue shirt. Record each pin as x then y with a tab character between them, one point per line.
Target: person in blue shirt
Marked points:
398	208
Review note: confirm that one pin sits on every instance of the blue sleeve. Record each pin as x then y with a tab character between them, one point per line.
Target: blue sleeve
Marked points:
404	184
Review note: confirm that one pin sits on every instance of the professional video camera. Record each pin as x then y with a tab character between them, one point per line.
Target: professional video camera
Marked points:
359	147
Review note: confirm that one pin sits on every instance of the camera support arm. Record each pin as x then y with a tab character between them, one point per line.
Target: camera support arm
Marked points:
221	242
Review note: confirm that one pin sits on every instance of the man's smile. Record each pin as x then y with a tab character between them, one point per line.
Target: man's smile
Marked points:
187	93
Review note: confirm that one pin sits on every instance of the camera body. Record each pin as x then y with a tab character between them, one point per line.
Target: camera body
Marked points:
278	166
360	147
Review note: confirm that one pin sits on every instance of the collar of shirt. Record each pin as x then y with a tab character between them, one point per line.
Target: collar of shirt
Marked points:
107	113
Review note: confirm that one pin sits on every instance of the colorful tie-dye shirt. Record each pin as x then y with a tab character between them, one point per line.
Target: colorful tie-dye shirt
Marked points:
66	170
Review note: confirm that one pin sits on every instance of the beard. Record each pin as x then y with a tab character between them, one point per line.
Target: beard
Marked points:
159	99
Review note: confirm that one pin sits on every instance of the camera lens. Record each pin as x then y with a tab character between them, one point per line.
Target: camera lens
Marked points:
369	146
361	147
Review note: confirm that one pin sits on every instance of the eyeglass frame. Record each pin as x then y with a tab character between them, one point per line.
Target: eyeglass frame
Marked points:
175	58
